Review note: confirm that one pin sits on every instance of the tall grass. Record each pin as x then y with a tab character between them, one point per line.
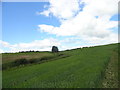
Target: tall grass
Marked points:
84	68
24	61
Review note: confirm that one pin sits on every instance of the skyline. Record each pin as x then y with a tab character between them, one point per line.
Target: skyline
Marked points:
41	25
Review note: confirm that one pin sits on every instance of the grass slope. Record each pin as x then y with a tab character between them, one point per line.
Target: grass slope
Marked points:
9	57
84	68
111	74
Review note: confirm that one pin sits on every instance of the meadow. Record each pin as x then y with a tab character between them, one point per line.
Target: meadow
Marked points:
78	68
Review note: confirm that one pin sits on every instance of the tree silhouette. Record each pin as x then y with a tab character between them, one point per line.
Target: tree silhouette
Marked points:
54	49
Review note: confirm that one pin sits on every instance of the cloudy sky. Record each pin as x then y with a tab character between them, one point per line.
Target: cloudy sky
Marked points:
67	24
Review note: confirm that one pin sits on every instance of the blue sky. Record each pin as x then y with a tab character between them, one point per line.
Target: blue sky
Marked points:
20	21
24	24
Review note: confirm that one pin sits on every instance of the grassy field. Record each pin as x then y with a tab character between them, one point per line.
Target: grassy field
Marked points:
83	68
9	57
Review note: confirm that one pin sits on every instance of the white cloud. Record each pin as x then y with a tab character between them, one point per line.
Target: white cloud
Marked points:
101	7
62	9
41	45
4	44
63	44
46	13
1	51
66	9
84	24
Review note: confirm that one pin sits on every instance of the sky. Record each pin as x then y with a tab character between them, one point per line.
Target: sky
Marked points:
66	24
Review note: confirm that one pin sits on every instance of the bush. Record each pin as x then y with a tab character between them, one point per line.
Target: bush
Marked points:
47	58
60	54
34	60
20	62
6	66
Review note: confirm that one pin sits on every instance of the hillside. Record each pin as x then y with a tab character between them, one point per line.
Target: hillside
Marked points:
77	68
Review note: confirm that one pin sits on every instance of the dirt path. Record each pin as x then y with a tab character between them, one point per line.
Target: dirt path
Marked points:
111	74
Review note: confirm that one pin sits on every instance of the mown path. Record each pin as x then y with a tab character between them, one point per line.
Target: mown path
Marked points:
111	74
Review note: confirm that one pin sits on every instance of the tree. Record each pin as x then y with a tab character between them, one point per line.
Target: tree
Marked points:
54	49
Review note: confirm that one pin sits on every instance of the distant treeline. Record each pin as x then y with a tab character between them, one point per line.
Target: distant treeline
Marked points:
31	51
53	50
24	52
80	48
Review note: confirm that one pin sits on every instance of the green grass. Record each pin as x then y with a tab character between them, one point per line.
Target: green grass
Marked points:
84	68
9	57
32	60
111	74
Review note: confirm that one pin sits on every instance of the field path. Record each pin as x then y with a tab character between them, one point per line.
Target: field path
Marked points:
111	74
